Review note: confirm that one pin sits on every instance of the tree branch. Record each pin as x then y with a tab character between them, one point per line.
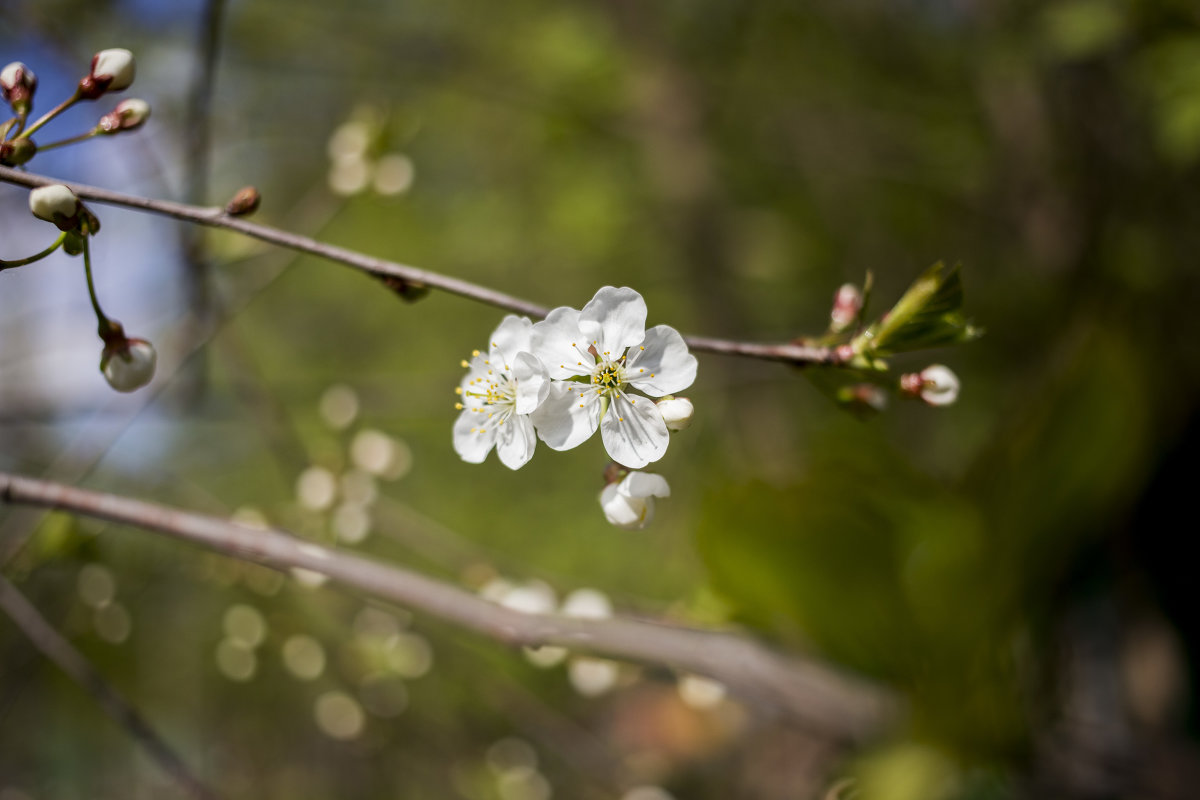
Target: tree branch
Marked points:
54	647
814	695
214	217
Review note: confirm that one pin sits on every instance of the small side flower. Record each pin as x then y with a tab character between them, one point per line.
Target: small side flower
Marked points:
629	503
500	391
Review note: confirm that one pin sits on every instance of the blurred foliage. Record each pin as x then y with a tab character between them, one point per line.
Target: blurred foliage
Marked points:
998	561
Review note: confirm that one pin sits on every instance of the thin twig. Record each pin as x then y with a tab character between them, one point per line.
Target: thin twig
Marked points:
811	694
792	353
54	647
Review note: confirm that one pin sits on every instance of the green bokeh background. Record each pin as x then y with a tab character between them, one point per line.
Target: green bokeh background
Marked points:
1001	562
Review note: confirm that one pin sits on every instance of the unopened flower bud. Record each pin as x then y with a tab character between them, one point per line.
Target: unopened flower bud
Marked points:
128	115
244	203
847	304
127	364
112	70
629	504
16	152
18	83
937	385
677	412
57	204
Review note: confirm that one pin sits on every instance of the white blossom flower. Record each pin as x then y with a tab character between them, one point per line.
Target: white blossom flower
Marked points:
500	390
629	504
129	364
608	346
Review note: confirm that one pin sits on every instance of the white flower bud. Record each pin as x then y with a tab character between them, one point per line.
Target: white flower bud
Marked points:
55	203
937	385
677	412
847	304
18	83
128	364
128	115
112	70
630	503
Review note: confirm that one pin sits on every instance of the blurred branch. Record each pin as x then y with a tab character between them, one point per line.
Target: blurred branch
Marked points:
54	647
406	275
814	695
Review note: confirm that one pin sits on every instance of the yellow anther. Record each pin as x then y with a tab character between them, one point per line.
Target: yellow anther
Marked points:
458	390
641	348
465	363
459	406
474	352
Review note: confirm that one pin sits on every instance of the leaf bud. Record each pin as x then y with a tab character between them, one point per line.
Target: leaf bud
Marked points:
16	152
244	202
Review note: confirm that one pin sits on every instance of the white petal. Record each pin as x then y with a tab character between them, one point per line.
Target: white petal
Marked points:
533	384
569	415
614	320
644	484
474	436
515	442
509	339
630	513
633	431
560	345
661	364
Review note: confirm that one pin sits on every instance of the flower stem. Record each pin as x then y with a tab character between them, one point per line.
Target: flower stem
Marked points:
49	115
63	142
104	325
20	262
18	121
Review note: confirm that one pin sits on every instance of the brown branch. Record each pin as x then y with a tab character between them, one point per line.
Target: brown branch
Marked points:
214	217
54	647
833	704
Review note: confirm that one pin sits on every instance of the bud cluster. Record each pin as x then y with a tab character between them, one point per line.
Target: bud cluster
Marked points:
111	70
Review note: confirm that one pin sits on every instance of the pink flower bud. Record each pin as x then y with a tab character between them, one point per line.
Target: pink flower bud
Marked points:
128	364
937	385
847	304
18	83
128	115
112	70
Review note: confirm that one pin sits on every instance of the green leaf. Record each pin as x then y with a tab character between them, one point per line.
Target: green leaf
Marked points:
928	315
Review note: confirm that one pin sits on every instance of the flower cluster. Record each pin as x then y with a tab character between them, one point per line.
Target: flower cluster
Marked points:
575	372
